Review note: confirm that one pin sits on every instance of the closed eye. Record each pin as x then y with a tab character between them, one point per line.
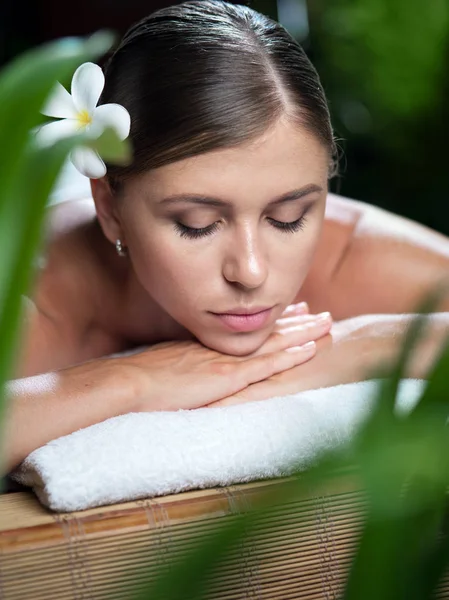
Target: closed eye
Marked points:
291	226
199	232
195	232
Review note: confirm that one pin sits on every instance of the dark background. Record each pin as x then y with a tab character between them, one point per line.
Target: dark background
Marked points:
384	65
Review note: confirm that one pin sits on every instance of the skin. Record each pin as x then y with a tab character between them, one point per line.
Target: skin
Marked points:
366	266
160	292
244	261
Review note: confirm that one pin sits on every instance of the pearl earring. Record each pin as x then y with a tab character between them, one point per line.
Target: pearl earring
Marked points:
121	250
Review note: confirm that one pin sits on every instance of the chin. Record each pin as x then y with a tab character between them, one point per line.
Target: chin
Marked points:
237	344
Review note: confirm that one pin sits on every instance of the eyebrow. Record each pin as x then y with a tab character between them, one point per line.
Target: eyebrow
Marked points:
212	201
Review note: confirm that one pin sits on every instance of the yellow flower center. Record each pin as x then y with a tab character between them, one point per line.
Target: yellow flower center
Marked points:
84	118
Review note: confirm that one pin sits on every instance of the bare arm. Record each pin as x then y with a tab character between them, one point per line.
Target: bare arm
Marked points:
354	351
44	402
47	406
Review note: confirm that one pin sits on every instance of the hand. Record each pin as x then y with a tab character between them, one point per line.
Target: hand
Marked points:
296	326
186	375
352	351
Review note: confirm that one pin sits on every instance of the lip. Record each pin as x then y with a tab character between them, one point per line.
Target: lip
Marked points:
245	319
245	311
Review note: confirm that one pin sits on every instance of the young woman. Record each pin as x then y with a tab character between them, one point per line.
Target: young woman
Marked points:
204	247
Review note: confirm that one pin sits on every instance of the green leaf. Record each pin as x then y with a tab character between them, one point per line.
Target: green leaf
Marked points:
24	87
383	417
28	174
405	467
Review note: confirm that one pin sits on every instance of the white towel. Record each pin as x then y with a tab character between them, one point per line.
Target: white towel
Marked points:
141	455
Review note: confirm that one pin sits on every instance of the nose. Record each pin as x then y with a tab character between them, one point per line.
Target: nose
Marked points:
244	263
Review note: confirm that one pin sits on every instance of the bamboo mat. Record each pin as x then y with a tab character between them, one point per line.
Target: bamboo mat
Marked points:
301	548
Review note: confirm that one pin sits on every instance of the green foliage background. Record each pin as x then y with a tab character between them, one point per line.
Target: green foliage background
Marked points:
384	65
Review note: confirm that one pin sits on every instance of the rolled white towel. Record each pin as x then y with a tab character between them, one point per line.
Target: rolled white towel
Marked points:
151	454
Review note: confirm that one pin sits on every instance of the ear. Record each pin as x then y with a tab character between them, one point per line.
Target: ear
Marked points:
106	207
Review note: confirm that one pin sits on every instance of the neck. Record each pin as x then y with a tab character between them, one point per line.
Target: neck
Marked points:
145	321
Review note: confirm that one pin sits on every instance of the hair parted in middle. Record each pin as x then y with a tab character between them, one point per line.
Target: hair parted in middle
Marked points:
206	75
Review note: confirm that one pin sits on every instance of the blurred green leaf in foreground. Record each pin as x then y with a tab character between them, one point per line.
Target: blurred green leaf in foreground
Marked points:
28	173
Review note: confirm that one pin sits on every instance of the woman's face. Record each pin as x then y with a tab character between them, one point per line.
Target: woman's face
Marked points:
223	241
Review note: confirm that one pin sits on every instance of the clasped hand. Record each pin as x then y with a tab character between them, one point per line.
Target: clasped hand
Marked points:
186	374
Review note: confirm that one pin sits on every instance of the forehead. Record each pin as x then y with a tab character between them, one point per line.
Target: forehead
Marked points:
283	157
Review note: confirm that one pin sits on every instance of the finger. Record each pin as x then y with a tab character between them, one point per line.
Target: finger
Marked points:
284	322
297	335
299	308
238	398
262	390
265	365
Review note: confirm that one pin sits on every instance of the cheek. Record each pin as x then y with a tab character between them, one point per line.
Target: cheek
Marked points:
311	244
296	254
166	268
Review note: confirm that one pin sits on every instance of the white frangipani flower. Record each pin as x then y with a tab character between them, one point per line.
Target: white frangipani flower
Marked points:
78	112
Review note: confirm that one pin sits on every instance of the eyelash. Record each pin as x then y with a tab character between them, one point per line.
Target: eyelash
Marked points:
291	227
195	233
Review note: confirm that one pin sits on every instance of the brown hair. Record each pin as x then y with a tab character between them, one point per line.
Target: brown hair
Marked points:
208	74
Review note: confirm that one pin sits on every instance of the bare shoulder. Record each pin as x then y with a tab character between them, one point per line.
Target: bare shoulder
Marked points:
59	323
66	257
371	260
341	217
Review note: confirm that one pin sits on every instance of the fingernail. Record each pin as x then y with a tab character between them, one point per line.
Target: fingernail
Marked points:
323	317
304	348
301	307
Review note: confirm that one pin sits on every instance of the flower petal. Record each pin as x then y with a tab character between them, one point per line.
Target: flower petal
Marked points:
112	115
87	85
59	104
88	162
48	134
